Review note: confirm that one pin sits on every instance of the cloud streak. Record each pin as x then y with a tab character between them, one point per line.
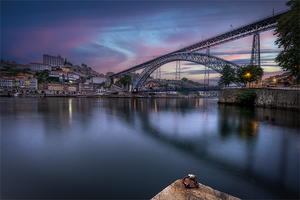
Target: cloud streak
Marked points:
111	36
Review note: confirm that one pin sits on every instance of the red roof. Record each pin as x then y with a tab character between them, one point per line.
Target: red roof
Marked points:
12	63
39	63
6	72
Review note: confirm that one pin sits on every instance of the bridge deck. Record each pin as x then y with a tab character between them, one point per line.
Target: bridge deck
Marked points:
261	25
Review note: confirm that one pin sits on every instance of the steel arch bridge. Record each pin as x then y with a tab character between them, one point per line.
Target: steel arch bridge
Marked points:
254	28
212	62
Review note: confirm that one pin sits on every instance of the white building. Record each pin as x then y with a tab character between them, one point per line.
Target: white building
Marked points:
68	76
53	60
4	82
33	83
72	76
55	73
98	79
86	87
39	66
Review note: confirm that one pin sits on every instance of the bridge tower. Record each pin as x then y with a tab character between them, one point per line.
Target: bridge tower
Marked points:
206	73
255	54
159	73
179	70
177	75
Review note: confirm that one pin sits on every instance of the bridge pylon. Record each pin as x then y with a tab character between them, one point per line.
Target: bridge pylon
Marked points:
159	74
179	70
206	72
255	53
177	75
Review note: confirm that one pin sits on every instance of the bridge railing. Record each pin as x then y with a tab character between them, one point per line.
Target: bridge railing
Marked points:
264	87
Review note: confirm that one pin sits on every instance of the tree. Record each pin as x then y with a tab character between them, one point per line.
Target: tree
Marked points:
125	79
249	73
287	30
190	82
50	79
41	76
247	97
184	79
227	76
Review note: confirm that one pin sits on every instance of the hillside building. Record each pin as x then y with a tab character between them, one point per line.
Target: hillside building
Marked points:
39	66
53	60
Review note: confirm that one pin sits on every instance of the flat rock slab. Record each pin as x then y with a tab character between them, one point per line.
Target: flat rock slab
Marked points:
179	192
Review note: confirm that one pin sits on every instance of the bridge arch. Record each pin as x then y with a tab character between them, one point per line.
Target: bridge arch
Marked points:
212	62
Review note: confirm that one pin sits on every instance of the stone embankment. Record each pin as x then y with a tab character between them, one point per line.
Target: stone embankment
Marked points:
179	192
265	97
146	95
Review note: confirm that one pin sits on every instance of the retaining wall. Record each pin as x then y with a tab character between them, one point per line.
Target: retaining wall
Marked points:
274	98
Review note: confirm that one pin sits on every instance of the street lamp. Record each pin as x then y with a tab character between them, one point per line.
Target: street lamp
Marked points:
248	75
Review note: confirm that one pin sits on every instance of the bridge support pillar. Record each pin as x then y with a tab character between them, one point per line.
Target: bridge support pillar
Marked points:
206	73
177	75
255	54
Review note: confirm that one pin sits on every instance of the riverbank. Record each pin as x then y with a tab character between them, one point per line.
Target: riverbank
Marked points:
111	95
265	97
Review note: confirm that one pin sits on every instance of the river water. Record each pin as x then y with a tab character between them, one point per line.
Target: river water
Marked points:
67	148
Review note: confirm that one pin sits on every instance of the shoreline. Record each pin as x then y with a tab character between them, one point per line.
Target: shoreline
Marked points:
105	96
265	98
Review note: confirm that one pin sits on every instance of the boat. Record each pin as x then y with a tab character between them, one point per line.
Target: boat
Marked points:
81	96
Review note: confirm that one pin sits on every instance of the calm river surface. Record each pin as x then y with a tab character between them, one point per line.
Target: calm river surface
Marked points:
82	148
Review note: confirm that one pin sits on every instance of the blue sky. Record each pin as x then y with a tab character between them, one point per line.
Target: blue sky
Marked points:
116	35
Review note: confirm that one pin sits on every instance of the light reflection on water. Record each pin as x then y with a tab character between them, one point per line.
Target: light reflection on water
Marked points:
82	148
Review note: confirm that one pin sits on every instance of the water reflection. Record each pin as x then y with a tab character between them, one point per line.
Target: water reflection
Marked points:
237	120
259	147
240	154
70	110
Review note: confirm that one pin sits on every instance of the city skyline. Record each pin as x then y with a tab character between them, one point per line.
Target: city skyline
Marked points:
116	35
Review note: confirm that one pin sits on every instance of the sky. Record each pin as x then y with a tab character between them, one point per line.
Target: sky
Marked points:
110	36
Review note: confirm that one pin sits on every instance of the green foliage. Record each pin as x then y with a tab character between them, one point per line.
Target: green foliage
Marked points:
227	76
247	97
184	92
184	79
41	76
102	84
197	83
15	71
50	79
288	32
286	83
249	73
68	63
190	81
125	79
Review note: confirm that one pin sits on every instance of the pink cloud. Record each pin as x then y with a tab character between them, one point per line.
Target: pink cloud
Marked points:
51	40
